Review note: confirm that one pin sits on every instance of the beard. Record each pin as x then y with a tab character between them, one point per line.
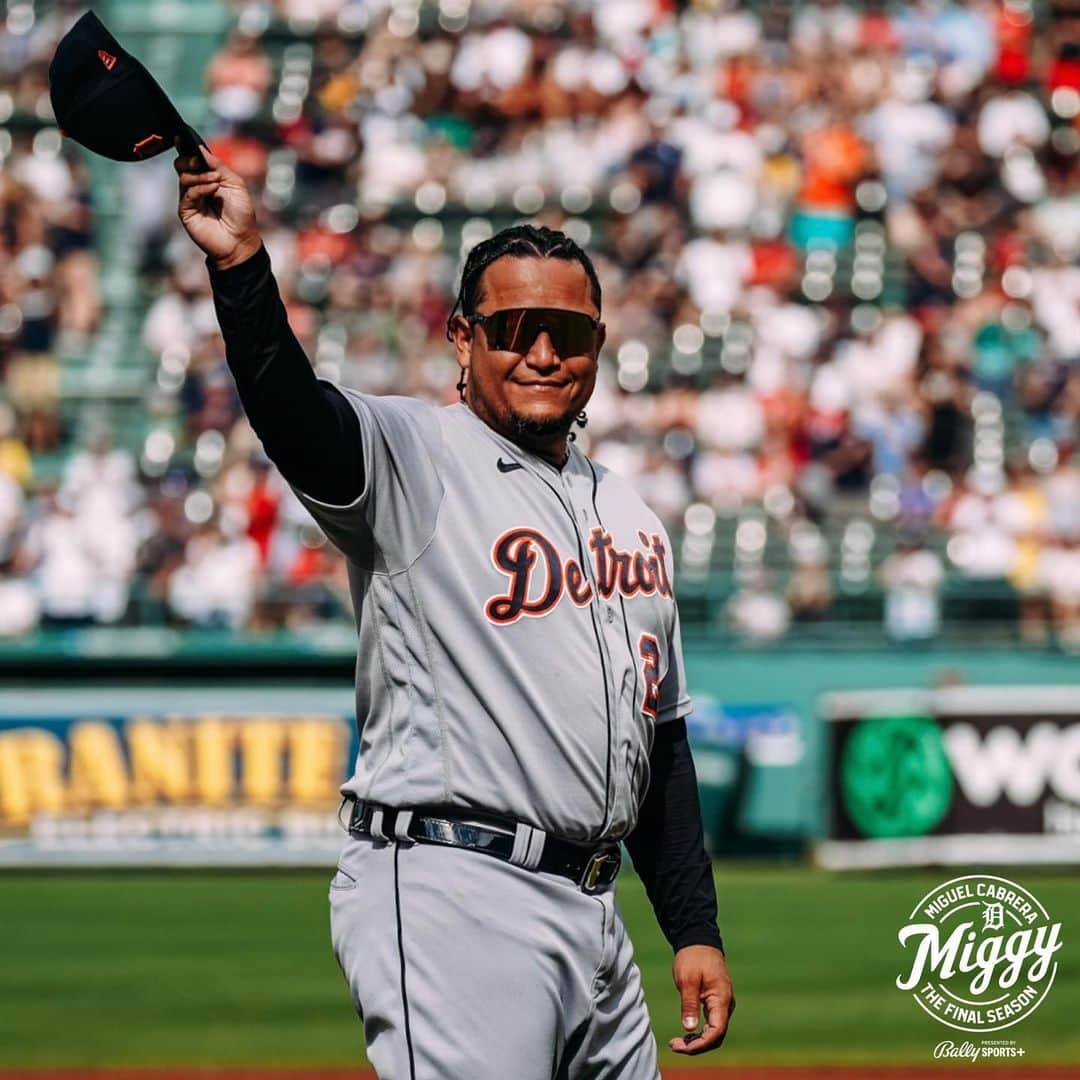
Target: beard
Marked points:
527	427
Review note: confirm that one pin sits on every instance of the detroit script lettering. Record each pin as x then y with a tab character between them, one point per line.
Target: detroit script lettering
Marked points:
520	552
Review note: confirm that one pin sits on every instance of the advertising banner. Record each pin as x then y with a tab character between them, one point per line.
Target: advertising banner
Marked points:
250	776
958	775
751	763
212	777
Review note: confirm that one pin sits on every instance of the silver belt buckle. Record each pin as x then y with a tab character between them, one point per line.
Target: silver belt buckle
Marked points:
595	868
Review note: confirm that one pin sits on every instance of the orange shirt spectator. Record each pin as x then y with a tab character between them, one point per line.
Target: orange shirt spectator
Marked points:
834	159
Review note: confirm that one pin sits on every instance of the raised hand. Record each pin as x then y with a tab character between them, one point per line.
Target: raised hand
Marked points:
216	209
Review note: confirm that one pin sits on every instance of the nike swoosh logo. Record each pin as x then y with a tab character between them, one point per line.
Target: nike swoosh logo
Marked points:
508	466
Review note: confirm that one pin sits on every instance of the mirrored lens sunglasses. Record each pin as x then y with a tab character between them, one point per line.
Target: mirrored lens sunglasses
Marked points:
572	333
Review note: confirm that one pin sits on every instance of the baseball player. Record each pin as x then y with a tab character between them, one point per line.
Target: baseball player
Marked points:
519	679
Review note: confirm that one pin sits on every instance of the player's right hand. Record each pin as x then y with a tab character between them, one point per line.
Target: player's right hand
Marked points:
216	209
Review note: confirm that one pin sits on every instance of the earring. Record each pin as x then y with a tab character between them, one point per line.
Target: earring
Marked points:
581	420
461	385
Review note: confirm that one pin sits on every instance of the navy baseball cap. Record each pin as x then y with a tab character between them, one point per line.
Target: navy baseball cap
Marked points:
104	99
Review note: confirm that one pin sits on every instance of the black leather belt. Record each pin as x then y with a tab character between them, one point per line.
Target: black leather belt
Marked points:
589	868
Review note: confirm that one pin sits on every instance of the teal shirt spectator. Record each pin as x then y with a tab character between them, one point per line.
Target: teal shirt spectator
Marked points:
998	353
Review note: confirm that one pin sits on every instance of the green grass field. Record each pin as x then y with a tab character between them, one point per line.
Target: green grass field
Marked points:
200	968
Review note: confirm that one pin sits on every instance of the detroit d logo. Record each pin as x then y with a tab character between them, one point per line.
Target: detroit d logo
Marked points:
981	953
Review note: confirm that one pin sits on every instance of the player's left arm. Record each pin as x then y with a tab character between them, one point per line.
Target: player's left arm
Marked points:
668	850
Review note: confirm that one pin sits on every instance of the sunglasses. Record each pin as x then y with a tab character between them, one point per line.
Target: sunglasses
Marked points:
572	333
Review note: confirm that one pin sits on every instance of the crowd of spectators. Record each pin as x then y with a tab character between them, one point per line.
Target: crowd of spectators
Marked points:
838	245
49	294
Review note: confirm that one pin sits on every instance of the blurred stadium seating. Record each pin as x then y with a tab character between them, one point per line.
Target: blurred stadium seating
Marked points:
838	245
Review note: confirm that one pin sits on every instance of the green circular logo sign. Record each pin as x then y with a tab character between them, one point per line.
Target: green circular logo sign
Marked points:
895	778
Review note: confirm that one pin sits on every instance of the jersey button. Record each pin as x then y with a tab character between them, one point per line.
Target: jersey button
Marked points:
609	611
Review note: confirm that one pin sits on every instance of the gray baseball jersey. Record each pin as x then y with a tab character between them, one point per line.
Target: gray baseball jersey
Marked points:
518	634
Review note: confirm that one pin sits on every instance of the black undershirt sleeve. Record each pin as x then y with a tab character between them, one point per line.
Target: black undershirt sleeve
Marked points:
307	427
668	845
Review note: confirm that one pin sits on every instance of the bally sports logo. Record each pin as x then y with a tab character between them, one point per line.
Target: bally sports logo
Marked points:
982	953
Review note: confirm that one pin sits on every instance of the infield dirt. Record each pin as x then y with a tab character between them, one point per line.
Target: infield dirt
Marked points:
690	1072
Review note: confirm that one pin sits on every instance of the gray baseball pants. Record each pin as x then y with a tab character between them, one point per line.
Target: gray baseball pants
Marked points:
464	967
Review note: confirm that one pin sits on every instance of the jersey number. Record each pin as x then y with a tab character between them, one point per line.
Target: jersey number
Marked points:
649	651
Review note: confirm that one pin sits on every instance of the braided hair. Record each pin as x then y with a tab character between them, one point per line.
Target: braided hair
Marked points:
523	241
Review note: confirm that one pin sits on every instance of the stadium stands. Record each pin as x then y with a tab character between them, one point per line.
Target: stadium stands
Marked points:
838	245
